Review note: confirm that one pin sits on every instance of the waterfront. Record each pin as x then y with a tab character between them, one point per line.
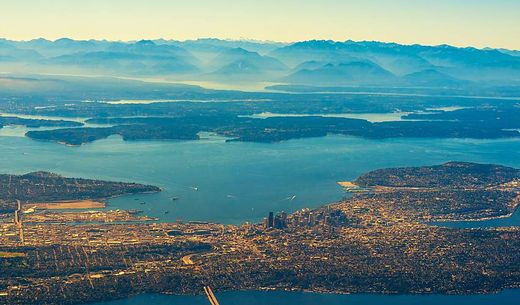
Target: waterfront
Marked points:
509	297
238	182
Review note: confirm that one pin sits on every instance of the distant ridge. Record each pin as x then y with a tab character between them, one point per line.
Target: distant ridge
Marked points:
323	62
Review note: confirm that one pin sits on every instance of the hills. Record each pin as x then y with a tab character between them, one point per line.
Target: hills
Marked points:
314	62
50	187
239	63
349	73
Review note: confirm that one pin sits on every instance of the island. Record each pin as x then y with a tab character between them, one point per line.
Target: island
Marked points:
380	240
36	123
275	129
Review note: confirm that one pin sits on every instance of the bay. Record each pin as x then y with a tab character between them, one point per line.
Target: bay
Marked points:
238	182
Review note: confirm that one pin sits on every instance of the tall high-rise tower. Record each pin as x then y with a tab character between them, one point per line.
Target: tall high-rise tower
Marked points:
270	220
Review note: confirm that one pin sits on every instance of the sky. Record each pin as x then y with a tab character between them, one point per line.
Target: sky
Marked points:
479	23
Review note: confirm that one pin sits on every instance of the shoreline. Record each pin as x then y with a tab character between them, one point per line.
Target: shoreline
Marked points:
320	293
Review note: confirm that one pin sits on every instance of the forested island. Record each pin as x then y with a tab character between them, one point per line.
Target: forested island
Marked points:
180	112
498	122
36	123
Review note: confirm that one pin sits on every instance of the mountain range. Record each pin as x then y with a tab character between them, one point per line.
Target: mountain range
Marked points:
311	63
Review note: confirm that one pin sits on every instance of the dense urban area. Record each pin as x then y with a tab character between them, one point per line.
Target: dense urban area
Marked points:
380	240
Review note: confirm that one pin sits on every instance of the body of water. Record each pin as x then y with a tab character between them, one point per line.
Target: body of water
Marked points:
514	220
238	182
371	117
509	297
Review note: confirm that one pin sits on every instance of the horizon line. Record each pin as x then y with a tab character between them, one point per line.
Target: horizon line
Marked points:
259	41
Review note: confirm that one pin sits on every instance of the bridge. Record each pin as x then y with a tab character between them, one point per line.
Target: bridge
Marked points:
211	297
18	220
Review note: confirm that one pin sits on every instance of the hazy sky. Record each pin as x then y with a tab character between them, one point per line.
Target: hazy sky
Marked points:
480	23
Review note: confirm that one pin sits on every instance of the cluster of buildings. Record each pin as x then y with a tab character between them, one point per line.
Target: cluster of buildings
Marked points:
305	218
278	221
324	216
